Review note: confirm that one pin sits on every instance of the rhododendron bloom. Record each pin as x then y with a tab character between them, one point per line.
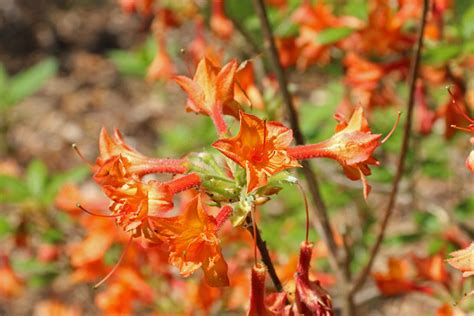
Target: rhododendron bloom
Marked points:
126	286
463	260
193	243
135	202
396	281
211	91
55	308
352	146
11	285
260	147
118	160
220	24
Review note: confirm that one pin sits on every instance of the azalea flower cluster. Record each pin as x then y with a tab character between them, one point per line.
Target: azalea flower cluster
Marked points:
247	172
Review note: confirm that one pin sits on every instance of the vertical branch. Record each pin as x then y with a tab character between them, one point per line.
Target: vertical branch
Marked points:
324	226
262	248
403	151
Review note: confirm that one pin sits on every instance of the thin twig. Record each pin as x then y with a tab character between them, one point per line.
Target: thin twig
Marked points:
324	226
403	152
262	248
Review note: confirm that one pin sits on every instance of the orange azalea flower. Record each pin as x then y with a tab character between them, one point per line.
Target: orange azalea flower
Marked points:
118	160
211	91
260	147
193	243
245	90
162	67
383	33
11	286
136	202
126	287
432	268
396	281
220	24
312	20
463	260
55	308
352	146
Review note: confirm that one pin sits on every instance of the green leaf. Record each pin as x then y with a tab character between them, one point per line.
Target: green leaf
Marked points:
467	23
3	86
5	227
441	54
333	35
129	63
52	236
30	81
74	175
12	189
36	177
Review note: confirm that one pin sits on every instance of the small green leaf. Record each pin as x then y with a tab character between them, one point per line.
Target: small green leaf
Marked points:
36	177
30	80
12	190
333	35
74	175
441	54
129	63
5	227
467	23
52	236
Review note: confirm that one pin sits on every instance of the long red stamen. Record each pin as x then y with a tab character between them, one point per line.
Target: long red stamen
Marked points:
183	183
306	210
116	265
76	149
394	127
95	214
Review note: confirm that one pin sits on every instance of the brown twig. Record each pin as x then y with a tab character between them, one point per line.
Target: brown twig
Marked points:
324	226
403	152
262	248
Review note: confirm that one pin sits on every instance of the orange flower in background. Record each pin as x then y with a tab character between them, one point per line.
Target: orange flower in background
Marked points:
211	91
161	67
11	286
193	243
55	308
463	260
220	24
383	33
396	281
432	268
260	147
126	287
312	20
352	146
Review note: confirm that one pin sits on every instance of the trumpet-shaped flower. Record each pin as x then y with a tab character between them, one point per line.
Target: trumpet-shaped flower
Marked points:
352	146
260	147
118	160
193	243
